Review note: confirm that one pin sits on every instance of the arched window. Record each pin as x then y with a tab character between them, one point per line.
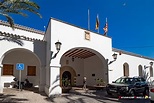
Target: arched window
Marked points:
151	72
140	70
126	69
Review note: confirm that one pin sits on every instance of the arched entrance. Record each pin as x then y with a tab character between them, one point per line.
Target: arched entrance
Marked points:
67	76
82	62
31	63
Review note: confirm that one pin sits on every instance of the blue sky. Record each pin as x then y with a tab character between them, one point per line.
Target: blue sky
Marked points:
130	22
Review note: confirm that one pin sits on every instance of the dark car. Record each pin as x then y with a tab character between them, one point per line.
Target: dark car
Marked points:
128	86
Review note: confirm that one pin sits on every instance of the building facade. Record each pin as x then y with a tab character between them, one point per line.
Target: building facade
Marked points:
82	53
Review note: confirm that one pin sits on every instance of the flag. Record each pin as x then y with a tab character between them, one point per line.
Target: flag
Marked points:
105	28
97	23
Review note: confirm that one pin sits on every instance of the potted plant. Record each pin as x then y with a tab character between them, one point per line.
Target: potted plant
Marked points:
100	82
66	85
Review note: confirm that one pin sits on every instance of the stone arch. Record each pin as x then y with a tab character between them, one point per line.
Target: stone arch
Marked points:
140	70
126	69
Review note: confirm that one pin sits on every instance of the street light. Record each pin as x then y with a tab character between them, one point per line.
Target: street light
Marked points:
58	46
114	57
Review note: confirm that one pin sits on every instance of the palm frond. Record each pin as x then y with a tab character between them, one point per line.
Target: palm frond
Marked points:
9	19
17	7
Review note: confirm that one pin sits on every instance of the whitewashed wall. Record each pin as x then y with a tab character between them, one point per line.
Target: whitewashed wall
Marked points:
133	62
8	46
72	37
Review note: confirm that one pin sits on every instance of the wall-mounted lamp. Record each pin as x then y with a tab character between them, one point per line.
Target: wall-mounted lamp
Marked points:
58	46
114	57
151	64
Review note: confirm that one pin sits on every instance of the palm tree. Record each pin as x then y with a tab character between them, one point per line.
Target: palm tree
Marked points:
19	7
8	7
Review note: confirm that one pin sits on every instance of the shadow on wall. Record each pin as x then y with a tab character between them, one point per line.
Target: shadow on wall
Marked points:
54	82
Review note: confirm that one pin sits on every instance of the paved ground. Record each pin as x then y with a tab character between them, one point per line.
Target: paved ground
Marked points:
12	95
77	95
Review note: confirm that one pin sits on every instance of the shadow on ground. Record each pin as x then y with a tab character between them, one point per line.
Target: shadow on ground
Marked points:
94	96
10	98
76	95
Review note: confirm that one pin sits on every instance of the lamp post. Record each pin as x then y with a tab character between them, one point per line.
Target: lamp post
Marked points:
114	58
58	46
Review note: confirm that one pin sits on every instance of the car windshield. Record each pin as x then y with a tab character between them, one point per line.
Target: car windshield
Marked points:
124	81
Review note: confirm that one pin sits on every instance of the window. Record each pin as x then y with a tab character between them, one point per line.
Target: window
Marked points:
31	71
151	72
140	70
7	69
126	69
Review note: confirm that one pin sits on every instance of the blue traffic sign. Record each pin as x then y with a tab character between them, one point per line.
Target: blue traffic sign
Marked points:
20	66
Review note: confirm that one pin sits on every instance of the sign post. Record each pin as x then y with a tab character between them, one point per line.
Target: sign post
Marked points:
20	66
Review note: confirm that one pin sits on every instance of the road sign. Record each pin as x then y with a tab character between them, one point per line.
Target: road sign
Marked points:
20	66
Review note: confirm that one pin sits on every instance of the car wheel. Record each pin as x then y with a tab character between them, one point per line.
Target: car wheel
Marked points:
132	93
146	92
109	93
151	101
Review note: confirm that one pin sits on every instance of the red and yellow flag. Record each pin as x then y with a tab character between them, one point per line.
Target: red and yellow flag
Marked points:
97	23
105	28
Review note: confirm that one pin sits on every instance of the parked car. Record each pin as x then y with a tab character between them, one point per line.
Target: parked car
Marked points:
151	92
128	86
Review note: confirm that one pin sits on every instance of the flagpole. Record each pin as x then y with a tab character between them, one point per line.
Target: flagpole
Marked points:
88	20
98	21
107	24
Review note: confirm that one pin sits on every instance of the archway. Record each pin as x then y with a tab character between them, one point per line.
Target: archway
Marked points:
85	62
67	73
66	78
31	63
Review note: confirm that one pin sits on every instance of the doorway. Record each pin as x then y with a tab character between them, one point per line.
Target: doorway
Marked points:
66	78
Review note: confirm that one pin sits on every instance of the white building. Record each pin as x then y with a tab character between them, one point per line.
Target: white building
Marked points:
82	53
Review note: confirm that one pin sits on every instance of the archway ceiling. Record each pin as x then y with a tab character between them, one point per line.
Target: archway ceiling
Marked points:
79	53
